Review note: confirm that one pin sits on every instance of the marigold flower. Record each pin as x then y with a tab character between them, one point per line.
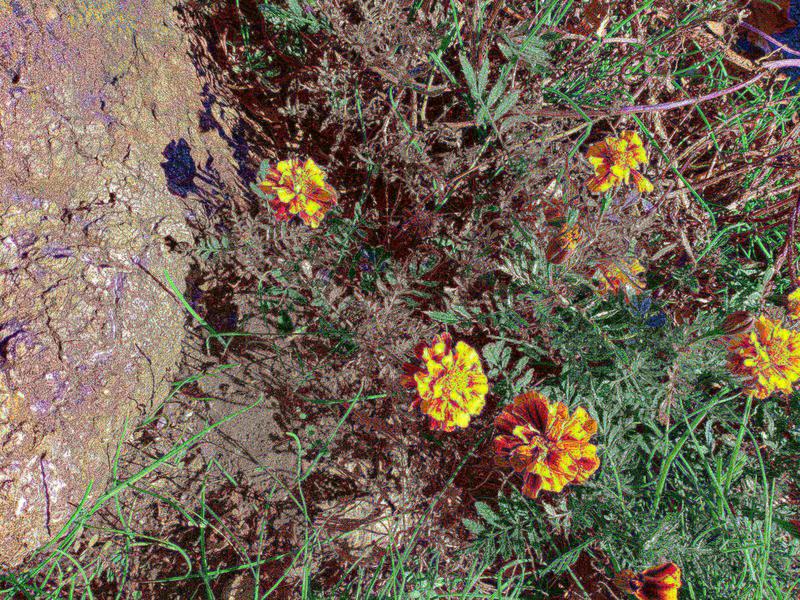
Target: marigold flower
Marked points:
656	583
612	277
615	161
561	247
768	358
793	304
296	189
544	443
450	384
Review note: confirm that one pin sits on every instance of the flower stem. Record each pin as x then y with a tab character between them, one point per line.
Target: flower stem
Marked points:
747	409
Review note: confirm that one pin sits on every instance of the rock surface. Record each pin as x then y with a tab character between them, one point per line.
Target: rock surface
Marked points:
94	94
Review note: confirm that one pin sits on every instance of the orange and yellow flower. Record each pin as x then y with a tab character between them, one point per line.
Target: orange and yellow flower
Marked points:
298	189
450	384
767	358
561	246
793	304
545	444
656	583
616	161
613	277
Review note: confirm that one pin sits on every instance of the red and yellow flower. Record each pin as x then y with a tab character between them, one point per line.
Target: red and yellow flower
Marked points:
656	583
616	161
450	383
613	277
767	358
545	444
298	189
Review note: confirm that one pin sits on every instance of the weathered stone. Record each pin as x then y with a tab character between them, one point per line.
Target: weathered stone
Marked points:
91	93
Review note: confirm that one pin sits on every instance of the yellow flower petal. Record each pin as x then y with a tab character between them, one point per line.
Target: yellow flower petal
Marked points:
450	383
618	157
541	438
300	190
767	359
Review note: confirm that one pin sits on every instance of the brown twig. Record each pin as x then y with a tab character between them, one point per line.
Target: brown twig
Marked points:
769	38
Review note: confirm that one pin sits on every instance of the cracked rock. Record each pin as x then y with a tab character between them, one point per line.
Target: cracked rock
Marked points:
91	92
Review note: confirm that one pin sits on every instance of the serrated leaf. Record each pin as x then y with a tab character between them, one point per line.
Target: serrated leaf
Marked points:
497	90
473	526
506	104
443	317
483	78
295	8
531	51
521	364
506	356
469	74
566	560
524	381
487	514
492	352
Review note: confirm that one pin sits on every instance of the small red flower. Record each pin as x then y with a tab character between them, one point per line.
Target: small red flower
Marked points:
545	444
656	583
301	190
449	381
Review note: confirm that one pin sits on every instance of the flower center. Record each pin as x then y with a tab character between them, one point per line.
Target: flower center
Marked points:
779	354
537	444
301	181
616	156
455	380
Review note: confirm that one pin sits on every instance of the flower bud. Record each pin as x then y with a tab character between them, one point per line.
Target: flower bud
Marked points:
561	247
737	322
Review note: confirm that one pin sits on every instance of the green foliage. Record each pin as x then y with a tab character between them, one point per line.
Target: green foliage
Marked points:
489	105
293	17
508	382
213	248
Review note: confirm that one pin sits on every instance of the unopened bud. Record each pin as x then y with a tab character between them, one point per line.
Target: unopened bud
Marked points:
623	580
554	214
557	251
561	247
737	322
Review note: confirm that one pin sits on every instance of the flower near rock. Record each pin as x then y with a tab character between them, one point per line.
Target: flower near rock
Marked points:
767	358
612	277
656	583
793	304
616	161
545	444
450	383
298	189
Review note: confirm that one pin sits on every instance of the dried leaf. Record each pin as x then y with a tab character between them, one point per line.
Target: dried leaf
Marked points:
771	17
